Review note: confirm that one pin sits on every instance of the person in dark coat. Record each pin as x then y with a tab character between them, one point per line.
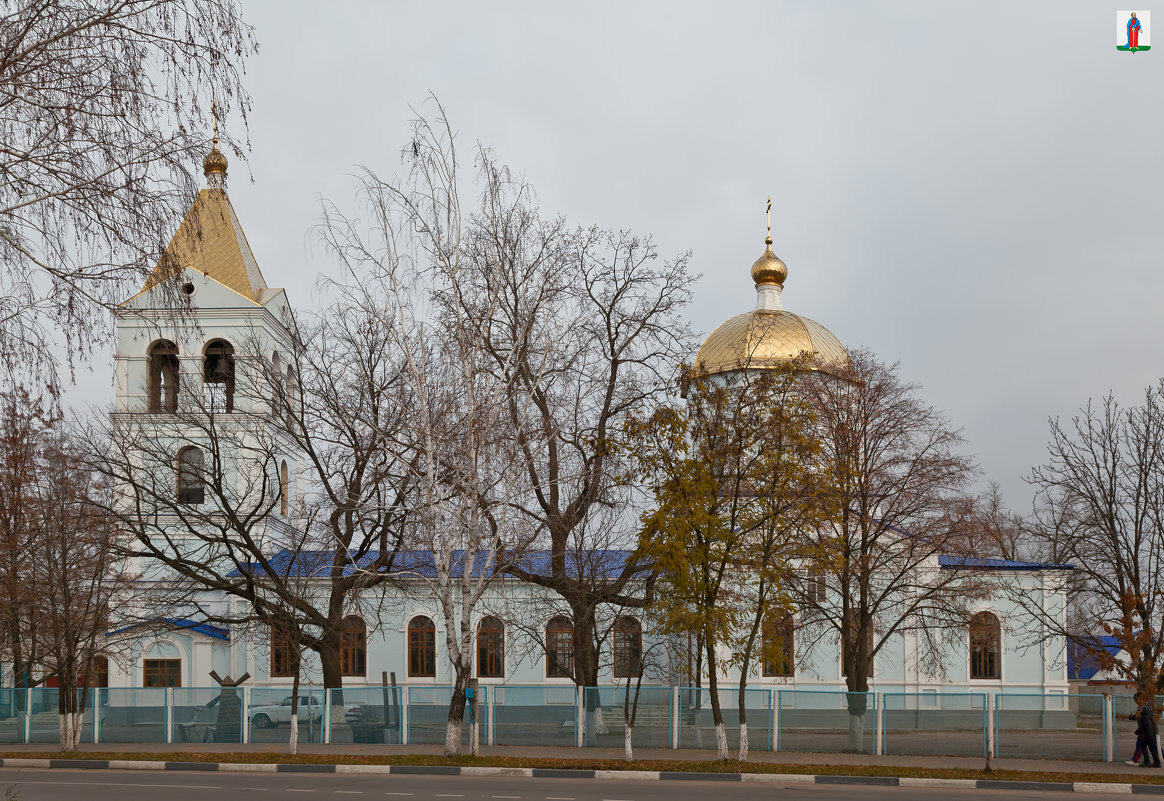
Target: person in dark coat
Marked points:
1147	730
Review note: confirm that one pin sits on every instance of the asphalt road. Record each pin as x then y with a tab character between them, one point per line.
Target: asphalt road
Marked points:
110	785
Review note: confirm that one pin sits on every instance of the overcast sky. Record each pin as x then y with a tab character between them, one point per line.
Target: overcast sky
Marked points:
971	189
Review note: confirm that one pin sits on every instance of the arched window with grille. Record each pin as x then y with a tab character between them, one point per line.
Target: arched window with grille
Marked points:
162	376
191	476
491	648
628	648
421	647
985	647
560	648
218	377
778	655
284	489
354	647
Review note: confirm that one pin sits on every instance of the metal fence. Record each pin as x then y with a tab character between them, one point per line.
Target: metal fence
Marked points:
1030	725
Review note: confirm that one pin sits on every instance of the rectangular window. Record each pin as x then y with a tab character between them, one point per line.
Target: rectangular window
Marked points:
163	673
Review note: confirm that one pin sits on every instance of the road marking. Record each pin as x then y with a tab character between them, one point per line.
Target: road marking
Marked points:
399	793
505	796
119	784
450	795
297	790
351	792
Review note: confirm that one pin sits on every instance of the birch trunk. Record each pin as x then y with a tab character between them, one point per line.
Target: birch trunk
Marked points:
856	733
70	730
628	750
743	741
721	744
453	738
293	740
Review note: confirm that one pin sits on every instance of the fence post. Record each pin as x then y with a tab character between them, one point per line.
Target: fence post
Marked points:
490	712
96	715
776	722
325	733
27	715
878	723
407	696
168	696
675	716
1108	726
579	716
991	702
246	714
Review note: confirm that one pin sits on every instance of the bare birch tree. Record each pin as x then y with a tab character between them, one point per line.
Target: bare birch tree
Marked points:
439	301
98	105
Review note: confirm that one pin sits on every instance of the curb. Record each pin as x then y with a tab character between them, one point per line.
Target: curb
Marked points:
558	773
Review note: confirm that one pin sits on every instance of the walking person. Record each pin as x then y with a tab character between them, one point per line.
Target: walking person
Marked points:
1146	732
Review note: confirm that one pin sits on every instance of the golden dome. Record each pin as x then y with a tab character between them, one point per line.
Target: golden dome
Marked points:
762	338
215	161
768	269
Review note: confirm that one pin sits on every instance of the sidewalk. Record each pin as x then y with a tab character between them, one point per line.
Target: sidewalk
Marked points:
685	755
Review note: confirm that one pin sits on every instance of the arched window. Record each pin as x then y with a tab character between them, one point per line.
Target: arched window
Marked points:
284	489
628	648
282	654
191	472
292	397
218	377
162	376
491	649
97	672
560	648
985	647
777	654
421	647
354	647
276	384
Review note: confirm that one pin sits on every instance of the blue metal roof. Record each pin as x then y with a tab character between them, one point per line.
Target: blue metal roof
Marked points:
217	632
978	563
318	564
1082	660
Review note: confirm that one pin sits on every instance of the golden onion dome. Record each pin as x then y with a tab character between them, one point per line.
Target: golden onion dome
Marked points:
215	161
768	336
768	269
763	339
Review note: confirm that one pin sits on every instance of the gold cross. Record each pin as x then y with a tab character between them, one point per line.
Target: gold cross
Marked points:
214	113
769	215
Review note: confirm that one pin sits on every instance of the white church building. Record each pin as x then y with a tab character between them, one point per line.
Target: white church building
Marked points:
159	361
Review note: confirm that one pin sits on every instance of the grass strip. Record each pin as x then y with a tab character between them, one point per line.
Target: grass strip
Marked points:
692	766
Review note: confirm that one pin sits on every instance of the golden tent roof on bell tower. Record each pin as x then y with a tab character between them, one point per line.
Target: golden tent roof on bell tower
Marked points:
211	239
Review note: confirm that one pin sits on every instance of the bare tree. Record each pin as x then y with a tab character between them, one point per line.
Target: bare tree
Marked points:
75	573
1101	508
97	104
25	420
900	478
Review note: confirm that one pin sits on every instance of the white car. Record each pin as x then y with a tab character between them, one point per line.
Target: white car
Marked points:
271	715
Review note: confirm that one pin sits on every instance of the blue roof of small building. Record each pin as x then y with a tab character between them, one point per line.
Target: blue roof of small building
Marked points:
210	630
1082	659
980	563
